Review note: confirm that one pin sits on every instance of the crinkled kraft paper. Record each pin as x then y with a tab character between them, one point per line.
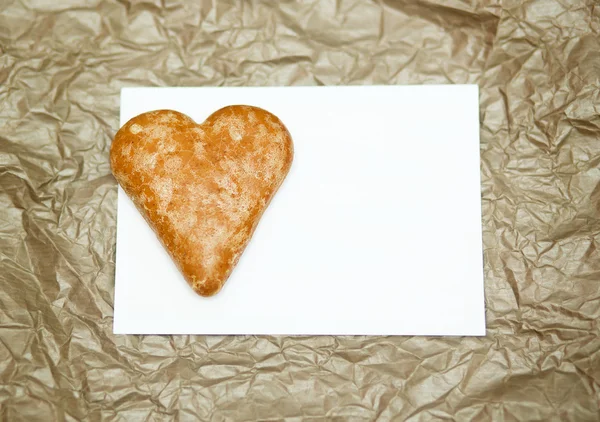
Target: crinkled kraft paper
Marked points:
537	63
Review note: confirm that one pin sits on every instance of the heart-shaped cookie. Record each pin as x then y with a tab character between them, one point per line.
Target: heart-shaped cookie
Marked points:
203	187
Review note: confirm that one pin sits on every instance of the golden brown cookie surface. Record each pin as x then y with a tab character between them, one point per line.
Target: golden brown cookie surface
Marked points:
203	187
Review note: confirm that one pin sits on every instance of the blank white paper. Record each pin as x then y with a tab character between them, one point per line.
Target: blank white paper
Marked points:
375	231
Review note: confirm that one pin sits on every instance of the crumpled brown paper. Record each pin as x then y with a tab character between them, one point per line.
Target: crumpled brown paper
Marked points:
538	66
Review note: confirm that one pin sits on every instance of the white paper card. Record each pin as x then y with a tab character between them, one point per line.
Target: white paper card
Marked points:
376	230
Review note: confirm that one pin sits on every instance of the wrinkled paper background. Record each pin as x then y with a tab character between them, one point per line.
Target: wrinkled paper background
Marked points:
538	66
